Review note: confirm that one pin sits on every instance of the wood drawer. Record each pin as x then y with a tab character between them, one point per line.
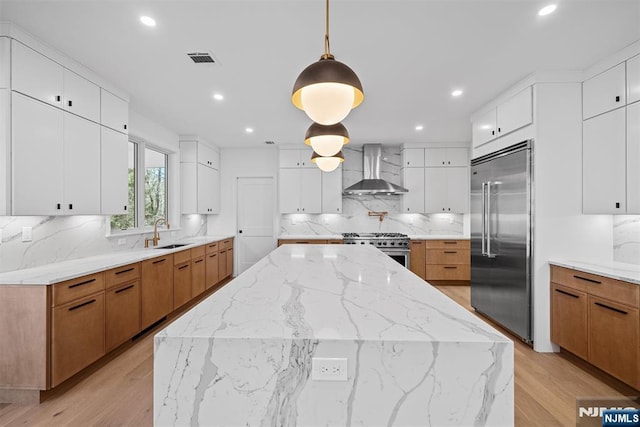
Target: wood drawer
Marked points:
448	256
228	243
181	256
448	272
335	242
211	247
70	290
459	244
604	287
197	252
122	313
122	274
302	242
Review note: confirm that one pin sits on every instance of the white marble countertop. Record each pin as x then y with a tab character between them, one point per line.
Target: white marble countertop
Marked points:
614	270
339	236
438	237
66	270
289	293
310	236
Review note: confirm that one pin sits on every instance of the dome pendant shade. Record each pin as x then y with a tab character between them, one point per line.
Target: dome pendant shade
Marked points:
328	163
326	140
327	91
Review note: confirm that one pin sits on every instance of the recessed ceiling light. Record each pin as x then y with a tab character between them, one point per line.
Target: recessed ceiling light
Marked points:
456	92
547	10
419	127
218	96
148	21
248	130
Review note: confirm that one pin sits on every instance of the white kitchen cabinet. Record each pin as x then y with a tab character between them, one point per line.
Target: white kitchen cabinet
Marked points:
446	190
332	191
603	154
296	158
81	96
508	116
5	62
114	172
37	152
457	190
633	158
200	189
604	92
413	157
413	180
81	166
435	184
36	75
446	157
633	79
300	190
196	151
114	112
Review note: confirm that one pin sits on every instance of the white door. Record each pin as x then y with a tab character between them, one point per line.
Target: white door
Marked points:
255	238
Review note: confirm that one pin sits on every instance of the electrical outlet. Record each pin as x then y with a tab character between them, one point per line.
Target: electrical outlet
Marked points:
122	242
329	369
27	234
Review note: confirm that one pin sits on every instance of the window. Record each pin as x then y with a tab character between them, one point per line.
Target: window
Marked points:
148	182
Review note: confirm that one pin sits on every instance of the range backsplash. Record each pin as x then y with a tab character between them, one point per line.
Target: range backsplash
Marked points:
626	239
354	217
61	238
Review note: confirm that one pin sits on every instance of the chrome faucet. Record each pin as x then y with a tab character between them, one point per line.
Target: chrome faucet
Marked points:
156	235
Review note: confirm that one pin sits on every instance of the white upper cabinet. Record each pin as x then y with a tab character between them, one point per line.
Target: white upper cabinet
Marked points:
332	191
604	157
289	190
445	157
200	178
311	190
447	190
484	128
81	97
114	172
5	61
195	151
604	92
114	112
633	79
516	112
413	180
633	158
36	75
413	157
296	158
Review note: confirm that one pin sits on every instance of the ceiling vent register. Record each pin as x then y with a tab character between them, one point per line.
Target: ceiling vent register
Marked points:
201	58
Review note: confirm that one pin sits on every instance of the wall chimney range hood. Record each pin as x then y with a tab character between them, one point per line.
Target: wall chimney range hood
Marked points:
372	183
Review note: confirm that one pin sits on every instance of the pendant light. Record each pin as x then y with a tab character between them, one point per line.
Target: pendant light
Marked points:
327	90
327	163
326	140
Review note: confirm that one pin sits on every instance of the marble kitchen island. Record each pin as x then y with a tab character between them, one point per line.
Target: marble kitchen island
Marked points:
243	356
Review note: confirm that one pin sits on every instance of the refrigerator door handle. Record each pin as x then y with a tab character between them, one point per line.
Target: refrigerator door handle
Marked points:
484	219
488	252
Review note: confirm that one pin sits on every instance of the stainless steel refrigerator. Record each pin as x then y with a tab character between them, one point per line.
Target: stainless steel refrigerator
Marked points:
501	237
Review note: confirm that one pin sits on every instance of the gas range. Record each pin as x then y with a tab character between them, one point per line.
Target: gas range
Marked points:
380	240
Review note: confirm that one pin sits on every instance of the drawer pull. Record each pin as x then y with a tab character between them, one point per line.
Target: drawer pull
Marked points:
87	303
211	256
450	243
86	282
159	261
617	310
567	293
586	279
125	271
184	266
448	267
124	289
196	262
450	252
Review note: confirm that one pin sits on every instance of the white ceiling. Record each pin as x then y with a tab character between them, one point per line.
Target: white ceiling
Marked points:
409	56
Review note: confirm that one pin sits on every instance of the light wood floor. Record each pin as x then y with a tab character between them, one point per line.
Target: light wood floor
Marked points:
119	391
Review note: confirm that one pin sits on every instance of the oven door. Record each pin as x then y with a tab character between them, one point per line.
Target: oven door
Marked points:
399	255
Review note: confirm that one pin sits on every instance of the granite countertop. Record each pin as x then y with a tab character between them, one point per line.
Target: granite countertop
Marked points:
614	270
60	271
370	296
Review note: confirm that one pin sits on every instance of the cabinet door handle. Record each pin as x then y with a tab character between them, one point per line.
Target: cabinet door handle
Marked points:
125	271
125	207
183	267
493	132
450	243
448	267
159	261
567	293
70	103
597	282
58	206
124	289
82	305
499	130
125	127
450	252
70	206
58	98
198	261
617	205
211	256
617	310
617	99
86	282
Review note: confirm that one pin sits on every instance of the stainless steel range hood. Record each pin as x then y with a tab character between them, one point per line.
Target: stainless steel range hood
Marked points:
372	183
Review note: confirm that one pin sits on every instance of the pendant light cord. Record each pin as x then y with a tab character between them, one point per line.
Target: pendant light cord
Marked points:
327	48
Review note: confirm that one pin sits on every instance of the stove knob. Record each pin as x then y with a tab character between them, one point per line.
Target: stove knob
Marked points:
384	243
393	243
371	243
362	243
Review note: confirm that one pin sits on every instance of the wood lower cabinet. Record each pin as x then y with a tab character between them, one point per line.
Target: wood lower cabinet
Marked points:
198	276
157	289
597	319
77	336
448	261
181	284
212	268
222	264
229	269
304	242
122	313
417	258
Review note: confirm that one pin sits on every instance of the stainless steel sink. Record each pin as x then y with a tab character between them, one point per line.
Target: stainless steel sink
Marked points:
173	246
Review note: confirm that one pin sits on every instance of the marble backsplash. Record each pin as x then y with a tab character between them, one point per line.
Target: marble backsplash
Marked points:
626	239
354	217
61	238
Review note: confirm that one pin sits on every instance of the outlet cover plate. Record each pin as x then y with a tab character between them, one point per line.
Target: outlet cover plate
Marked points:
27	234
329	369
